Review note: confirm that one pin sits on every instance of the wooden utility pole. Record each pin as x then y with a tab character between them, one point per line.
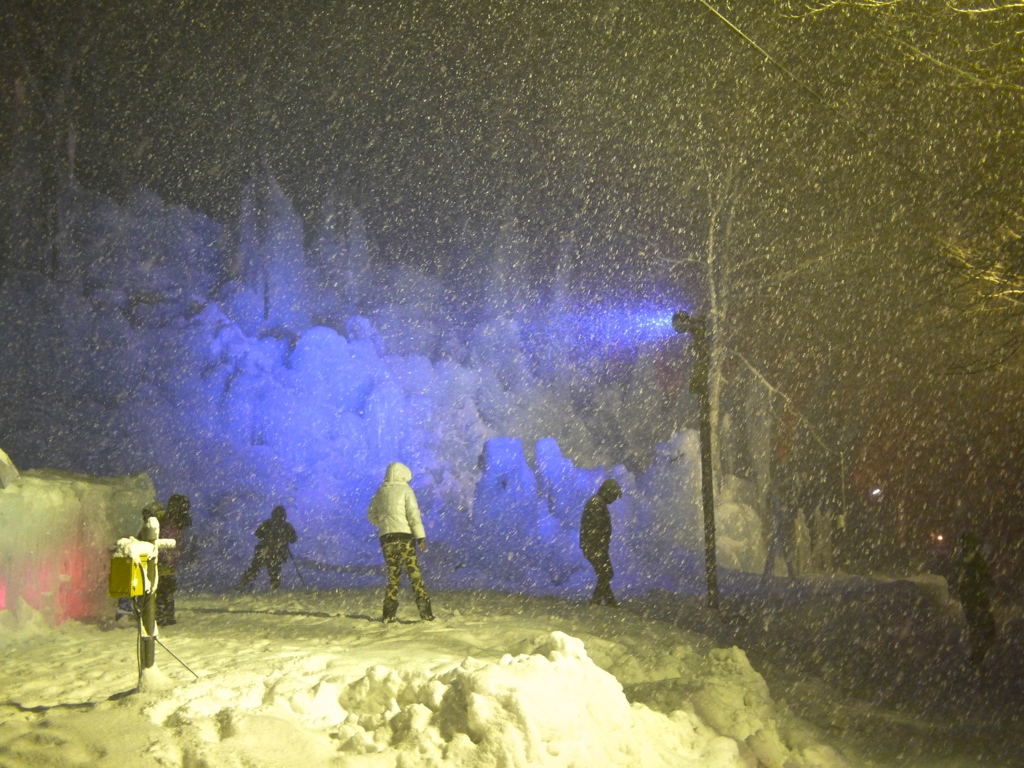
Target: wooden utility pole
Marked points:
697	327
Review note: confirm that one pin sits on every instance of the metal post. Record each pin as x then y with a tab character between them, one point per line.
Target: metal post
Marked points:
697	326
707	481
147	619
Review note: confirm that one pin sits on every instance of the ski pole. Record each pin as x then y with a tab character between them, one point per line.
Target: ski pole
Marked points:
297	571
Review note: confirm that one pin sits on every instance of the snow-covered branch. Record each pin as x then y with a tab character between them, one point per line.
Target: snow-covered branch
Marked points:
991	81
799	10
991	8
996	271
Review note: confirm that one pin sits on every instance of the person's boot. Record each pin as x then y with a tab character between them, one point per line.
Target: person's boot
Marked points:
390	611
124	608
423	604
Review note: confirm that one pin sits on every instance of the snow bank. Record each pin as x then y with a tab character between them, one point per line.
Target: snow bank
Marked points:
21	621
553	707
550	707
309	680
56	531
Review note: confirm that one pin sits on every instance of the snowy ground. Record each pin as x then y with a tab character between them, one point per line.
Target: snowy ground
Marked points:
315	679
877	664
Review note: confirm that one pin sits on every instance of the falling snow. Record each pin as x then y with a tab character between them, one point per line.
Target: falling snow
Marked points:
255	254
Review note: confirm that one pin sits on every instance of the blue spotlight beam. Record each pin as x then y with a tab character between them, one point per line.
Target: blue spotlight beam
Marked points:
600	326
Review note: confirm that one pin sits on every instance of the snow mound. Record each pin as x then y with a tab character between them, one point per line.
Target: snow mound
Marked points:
512	682
23	622
552	707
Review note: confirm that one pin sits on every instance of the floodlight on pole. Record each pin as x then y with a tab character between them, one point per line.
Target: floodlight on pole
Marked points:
683	322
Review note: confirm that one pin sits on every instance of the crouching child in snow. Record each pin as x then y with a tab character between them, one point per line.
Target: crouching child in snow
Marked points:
396	515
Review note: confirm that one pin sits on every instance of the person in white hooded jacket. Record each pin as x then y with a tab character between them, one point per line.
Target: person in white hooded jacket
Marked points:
396	514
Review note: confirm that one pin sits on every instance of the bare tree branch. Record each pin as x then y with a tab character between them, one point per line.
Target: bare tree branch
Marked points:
812	8
986	9
992	82
992	282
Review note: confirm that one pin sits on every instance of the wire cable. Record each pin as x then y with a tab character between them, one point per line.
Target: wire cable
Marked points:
186	666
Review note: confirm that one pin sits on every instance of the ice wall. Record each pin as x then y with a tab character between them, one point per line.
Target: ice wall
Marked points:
56	532
247	371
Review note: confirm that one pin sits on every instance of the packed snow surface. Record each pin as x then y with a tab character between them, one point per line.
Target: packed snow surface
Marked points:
316	679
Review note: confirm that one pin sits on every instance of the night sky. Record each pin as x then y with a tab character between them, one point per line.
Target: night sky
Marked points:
572	114
833	167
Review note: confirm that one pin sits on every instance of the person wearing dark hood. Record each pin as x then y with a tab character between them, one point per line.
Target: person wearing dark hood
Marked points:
153	509
274	534
176	519
596	537
973	582
396	515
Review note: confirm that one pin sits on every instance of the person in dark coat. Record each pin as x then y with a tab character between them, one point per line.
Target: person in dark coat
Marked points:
973	582
177	519
274	534
595	538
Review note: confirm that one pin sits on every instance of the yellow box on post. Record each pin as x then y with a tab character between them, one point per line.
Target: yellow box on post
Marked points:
126	577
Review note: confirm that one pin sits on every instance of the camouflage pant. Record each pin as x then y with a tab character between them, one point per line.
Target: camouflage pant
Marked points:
396	554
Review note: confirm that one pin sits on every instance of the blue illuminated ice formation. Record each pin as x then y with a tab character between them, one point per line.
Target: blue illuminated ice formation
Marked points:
269	373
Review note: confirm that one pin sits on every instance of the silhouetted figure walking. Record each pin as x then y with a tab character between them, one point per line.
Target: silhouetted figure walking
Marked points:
271	552
778	543
396	514
596	537
973	582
